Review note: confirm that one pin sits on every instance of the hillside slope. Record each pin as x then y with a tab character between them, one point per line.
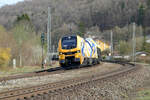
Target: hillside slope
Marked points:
103	13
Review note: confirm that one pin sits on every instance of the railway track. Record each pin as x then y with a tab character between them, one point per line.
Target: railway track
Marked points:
49	90
56	70
50	71
32	74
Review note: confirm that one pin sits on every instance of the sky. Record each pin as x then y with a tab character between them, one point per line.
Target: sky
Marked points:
9	2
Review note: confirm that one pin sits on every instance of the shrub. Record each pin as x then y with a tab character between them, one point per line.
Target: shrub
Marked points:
5	56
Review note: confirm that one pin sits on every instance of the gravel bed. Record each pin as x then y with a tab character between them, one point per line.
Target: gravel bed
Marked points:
112	89
38	80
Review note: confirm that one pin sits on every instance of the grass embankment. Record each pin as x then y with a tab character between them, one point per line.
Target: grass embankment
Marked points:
143	95
144	92
7	71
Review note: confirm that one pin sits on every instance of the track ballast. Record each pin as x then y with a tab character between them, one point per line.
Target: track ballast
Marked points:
59	87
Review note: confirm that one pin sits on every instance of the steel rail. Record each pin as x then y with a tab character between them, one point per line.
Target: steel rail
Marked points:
58	86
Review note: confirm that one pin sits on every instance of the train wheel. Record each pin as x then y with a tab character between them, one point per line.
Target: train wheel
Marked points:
94	62
90	62
98	62
63	66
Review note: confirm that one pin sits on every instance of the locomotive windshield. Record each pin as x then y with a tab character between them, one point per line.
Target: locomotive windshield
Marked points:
69	42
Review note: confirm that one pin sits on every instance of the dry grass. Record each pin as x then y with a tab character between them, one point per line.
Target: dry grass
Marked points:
7	71
143	92
143	59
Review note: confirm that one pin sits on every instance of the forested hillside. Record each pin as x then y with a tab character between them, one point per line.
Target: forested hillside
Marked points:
103	13
26	20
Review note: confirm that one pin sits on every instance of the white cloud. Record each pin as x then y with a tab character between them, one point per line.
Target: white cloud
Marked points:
9	2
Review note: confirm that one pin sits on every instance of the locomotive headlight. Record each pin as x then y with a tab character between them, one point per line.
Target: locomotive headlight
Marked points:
78	51
60	53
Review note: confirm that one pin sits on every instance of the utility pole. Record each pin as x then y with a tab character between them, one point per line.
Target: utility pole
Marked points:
49	35
42	57
53	49
42	42
71	28
134	43
111	36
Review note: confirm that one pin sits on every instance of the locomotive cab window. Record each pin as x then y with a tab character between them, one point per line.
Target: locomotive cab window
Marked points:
69	42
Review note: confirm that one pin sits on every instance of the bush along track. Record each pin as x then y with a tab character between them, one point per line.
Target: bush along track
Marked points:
110	86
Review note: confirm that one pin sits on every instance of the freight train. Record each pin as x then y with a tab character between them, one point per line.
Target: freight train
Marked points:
75	50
